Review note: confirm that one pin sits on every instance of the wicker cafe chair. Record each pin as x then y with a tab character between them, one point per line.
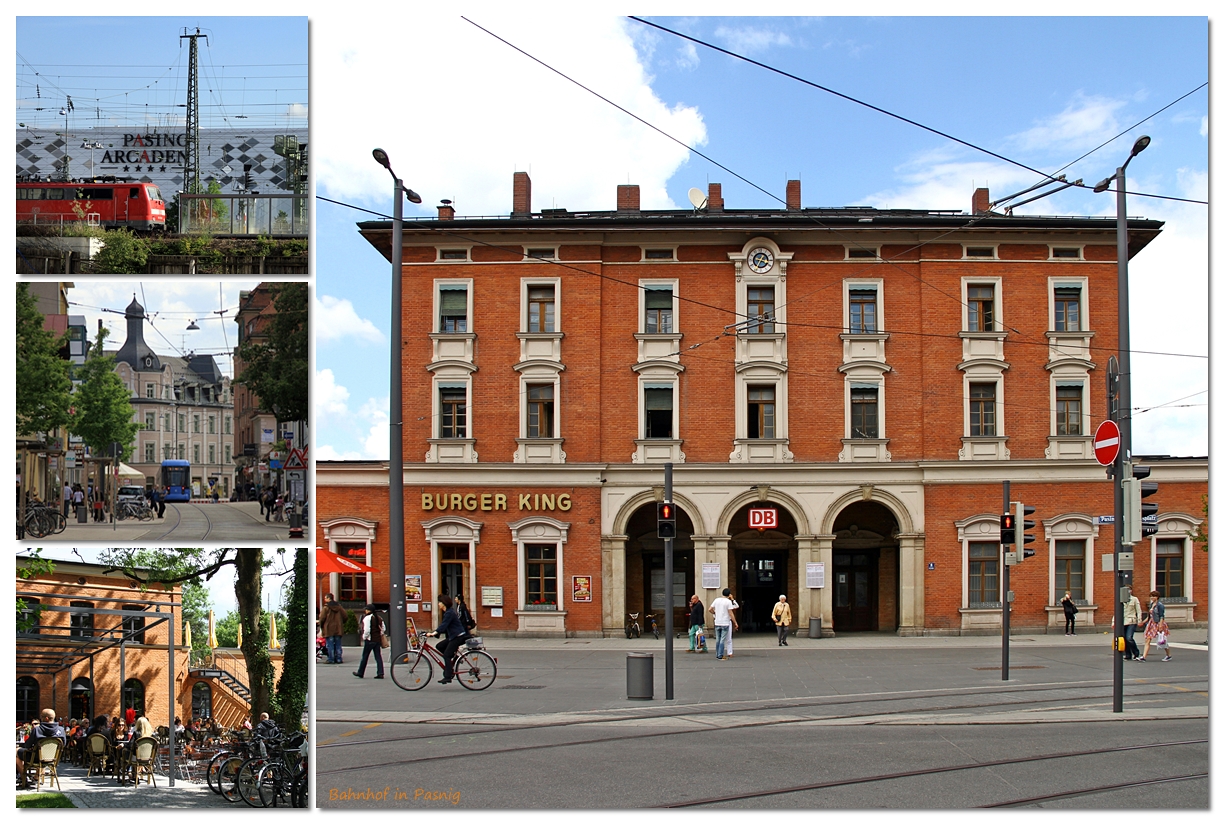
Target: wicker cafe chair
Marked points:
141	761
99	752
46	758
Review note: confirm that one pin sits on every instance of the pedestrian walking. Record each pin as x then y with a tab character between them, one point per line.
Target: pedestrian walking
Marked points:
79	499
1131	618
373	629
782	619
464	614
454	633
66	494
332	621
1071	614
1156	627
724	623
267	502
697	624
731	637
160	495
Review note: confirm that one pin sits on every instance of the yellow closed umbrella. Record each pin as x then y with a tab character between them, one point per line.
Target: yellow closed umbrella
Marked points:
239	635
188	635
213	637
274	645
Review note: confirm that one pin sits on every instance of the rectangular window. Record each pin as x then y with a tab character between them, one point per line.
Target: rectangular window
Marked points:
659	311
197	454
179	421
81	624
226	424
761	309
658	412
352	586
453	412
149	420
987	252
226	454
167	451
659	254
862	307
210	422
134	625
196	423
540	573
541	309
149	452
983	409
453	310
1069	411
540	410
761	412
864	413
541	253
211	453
862	252
983	574
1066	316
453	254
1066	253
1170	568
179	451
981	317
1070	569
149	389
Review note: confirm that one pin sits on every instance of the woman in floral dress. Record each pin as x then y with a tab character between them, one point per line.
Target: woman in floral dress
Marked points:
1156	627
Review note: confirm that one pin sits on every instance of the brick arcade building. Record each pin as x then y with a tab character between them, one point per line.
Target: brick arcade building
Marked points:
874	375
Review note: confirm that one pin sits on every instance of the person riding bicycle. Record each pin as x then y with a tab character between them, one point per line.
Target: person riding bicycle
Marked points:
453	630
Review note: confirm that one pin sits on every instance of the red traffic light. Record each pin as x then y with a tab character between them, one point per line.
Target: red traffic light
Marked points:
667	511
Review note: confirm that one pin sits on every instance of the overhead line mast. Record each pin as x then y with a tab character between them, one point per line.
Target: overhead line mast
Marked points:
192	124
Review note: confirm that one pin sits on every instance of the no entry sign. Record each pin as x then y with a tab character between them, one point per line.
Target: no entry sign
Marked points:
1107	442
763	518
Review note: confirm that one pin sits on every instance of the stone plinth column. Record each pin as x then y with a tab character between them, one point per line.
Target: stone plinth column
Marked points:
709	549
612	547
911	584
820	602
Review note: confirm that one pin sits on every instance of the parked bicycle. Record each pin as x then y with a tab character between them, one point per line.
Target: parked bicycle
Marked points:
42	519
633	629
136	510
473	667
652	624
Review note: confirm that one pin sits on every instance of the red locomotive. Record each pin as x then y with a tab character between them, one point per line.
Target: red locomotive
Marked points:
106	201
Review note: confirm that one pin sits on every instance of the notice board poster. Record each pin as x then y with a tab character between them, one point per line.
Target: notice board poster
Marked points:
815	575
414	587
710	576
581	588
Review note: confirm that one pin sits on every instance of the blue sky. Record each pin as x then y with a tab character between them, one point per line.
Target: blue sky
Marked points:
254	67
468	111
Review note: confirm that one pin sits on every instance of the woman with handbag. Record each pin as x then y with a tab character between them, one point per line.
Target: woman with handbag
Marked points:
453	630
1156	627
375	638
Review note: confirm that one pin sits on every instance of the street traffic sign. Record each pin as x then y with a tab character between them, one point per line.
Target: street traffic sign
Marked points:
1107	442
296	459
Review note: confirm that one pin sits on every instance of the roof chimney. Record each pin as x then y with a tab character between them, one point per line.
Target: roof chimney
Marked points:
628	198
979	201
714	201
521	195
444	211
793	194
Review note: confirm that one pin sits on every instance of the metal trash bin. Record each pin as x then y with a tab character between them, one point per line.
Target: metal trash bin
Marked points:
814	628
81	513
639	675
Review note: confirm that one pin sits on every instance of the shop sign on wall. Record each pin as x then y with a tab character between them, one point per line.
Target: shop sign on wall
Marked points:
581	588
414	587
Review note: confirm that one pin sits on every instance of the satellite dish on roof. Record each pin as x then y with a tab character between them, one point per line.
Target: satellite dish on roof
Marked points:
697	198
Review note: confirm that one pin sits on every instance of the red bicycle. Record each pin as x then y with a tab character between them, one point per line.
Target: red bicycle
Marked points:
473	667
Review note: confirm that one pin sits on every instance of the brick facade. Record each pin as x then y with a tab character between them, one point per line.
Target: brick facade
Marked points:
855	405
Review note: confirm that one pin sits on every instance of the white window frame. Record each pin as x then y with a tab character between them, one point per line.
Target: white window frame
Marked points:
529	377
865	284
671	248
450	529
659	384
1070	381
541	530
350	530
1072	526
974	376
875	248
524	314
1082	255
527	258
998	305
981	528
849	384
1084	298
440	249
750	378
1188	526
440	284
439	413
996	253
652	285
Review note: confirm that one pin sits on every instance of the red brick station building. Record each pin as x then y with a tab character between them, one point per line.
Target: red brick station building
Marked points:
873	375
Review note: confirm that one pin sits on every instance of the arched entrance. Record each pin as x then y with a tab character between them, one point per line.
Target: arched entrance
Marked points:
762	565
645	567
27	699
864	587
202	701
81	699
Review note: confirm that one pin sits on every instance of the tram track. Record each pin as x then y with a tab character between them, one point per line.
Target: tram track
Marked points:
1157	781
709	712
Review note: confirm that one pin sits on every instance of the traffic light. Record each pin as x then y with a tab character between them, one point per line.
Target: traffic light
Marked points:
1007	529
1021	524
667	520
1140	517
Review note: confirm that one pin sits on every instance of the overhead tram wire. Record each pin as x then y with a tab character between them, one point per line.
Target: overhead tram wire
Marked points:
881	110
775	197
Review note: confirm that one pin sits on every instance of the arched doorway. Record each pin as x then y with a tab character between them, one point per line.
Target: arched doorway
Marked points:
202	701
762	565
646	568
864	589
27	699
81	699
132	695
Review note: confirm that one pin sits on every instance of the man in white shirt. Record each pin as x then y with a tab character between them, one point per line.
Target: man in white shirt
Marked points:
67	494
722	608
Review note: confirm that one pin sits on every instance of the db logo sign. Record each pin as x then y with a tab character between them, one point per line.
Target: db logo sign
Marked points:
763	518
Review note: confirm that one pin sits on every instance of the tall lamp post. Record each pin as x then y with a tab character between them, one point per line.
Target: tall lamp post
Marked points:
397	532
1124	413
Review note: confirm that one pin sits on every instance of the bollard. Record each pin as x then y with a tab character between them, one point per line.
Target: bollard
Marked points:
814	628
639	675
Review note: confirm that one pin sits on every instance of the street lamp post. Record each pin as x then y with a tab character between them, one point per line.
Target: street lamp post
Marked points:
397	531
1123	416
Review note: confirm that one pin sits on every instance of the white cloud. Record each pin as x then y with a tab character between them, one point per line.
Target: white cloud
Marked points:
336	318
474	111
1202	129
329	396
748	40
686	56
297	111
326	452
362	433
1086	122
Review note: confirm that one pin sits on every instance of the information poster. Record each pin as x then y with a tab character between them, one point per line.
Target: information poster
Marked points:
414	587
710	576
492	596
815	575
581	588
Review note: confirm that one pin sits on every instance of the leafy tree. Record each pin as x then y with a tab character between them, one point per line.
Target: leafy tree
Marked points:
292	690
276	368
103	412
227	627
43	383
123	253
34	566
195	611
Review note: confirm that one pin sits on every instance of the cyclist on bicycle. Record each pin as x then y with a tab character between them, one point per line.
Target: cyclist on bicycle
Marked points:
453	630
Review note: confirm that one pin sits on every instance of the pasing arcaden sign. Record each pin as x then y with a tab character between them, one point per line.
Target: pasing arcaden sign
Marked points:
494	502
149	149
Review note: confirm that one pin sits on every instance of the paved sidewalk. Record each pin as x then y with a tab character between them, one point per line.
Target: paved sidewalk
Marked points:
103	792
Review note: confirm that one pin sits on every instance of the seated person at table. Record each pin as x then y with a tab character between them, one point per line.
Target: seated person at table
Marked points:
44	728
